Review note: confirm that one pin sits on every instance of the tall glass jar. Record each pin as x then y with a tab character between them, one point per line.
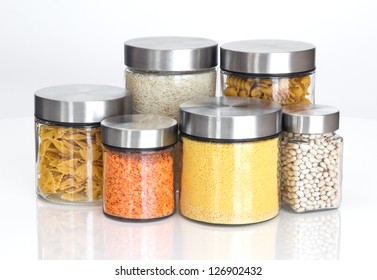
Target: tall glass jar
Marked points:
138	166
68	139
310	158
163	72
278	70
230	160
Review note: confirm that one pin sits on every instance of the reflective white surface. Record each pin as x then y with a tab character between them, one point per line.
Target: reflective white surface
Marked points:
32	228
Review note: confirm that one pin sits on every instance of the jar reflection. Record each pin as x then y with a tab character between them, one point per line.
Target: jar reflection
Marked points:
69	233
309	236
201	241
138	241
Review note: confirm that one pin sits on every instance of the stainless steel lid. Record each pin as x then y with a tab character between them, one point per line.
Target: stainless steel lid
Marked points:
170	53
230	118
311	119
139	131
267	57
80	103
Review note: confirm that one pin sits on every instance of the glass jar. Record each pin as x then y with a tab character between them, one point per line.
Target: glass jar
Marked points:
278	70
138	166
230	160
68	139
163	72
310	158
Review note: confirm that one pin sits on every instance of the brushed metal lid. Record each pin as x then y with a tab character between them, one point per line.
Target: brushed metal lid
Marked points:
139	131
170	53
80	103
230	118
310	119
267	57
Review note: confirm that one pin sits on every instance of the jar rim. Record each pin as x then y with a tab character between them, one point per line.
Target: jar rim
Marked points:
170	53
139	131
236	118
267	56
310	118
80	103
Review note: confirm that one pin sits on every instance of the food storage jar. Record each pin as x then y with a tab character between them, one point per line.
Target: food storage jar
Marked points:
230	160
278	70
163	72
68	139
310	158
138	166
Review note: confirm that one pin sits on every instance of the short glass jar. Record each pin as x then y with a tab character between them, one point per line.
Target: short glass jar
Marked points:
278	70
138	166
311	156
68	139
230	160
163	72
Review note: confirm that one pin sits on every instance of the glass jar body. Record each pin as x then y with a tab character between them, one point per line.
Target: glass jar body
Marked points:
68	162
138	184
283	89
162	92
310	167
229	183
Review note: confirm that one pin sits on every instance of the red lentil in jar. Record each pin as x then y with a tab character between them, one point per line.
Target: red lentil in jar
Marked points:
138	166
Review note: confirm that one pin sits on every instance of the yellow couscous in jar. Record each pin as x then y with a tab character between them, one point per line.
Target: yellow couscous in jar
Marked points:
230	158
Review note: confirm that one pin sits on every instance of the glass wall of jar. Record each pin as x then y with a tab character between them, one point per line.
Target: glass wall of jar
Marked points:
230	160
278	70
138	166
68	139
310	158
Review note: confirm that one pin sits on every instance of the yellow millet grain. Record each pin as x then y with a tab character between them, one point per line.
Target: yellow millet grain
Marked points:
229	183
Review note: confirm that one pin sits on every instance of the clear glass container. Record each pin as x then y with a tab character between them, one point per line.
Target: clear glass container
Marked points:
138	166
163	72
230	160
278	70
311	156
68	140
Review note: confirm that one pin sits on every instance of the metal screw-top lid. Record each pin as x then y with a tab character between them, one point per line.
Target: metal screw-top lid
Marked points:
230	118
170	53
81	103
139	131
310	119
267	57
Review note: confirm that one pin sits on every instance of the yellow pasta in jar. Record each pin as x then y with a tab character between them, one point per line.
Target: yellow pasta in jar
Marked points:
282	90
279	70
68	160
70	163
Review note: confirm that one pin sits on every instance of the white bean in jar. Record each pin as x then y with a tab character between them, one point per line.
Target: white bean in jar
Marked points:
310	170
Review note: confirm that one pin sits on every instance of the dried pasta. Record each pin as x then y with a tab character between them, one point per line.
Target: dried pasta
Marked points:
282	90
70	163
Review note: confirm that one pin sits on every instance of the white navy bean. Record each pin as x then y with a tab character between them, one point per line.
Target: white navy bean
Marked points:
310	170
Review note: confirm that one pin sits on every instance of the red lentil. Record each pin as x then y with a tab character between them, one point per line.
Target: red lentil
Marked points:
138	185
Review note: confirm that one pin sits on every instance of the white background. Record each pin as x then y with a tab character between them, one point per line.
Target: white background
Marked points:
46	43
